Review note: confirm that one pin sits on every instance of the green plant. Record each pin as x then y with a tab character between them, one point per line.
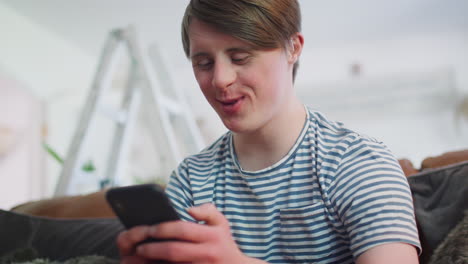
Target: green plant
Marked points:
88	166
53	153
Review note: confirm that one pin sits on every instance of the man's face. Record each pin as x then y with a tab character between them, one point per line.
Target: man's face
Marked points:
247	87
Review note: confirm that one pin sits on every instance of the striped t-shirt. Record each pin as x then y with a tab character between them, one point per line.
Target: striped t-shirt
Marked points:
335	195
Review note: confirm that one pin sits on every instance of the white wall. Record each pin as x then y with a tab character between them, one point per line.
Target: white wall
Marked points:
22	175
51	68
384	57
416	129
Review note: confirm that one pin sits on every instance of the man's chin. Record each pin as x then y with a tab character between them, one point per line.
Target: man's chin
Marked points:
234	125
239	127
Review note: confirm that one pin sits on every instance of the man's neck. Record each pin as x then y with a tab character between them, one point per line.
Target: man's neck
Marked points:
268	145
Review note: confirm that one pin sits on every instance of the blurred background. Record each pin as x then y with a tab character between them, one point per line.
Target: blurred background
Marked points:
395	70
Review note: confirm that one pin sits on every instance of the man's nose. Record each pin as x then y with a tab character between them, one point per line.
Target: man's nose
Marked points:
224	75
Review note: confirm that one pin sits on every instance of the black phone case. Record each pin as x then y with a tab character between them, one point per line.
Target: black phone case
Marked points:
144	204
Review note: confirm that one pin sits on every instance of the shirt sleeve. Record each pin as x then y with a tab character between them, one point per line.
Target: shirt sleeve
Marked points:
372	197
179	192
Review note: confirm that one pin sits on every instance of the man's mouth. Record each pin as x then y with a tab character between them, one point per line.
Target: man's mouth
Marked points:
231	106
233	101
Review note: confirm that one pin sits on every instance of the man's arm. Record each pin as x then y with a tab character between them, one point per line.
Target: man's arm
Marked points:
389	254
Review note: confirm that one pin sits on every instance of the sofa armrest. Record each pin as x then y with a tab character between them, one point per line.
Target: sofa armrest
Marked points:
93	205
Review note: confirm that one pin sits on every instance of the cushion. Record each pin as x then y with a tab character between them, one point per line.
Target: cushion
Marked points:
59	239
454	248
440	197
445	159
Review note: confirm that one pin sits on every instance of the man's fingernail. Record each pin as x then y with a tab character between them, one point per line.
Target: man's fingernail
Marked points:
153	230
140	250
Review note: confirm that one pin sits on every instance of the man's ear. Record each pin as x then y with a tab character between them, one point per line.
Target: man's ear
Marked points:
295	45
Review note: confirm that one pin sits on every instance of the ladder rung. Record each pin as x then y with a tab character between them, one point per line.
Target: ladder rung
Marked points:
118	116
171	105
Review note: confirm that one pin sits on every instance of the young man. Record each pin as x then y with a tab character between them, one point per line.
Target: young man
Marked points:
284	185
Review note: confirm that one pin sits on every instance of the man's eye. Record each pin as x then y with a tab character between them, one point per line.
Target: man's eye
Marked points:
240	59
203	64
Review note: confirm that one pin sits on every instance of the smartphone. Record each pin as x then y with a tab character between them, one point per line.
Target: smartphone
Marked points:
144	204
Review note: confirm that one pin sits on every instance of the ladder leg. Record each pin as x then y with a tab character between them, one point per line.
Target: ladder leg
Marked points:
121	137
74	150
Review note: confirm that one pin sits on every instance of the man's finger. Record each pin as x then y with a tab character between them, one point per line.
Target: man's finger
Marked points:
134	260
181	230
209	214
127	240
173	252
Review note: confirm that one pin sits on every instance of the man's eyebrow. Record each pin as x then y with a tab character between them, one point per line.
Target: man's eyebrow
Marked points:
199	54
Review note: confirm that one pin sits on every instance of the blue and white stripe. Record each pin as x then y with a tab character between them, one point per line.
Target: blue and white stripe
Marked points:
335	195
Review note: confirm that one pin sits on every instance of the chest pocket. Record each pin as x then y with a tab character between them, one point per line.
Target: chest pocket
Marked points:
305	234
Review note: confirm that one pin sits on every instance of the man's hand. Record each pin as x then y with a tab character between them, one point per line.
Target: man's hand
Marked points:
190	242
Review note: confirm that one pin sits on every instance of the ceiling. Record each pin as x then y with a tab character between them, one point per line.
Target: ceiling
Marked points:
86	22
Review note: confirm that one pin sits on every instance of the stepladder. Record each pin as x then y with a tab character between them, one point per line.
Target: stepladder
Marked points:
145	104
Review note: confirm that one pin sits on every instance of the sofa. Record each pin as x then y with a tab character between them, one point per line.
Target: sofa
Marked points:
85	225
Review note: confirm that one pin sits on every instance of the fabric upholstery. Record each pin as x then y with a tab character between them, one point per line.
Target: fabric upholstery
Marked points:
440	199
58	239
